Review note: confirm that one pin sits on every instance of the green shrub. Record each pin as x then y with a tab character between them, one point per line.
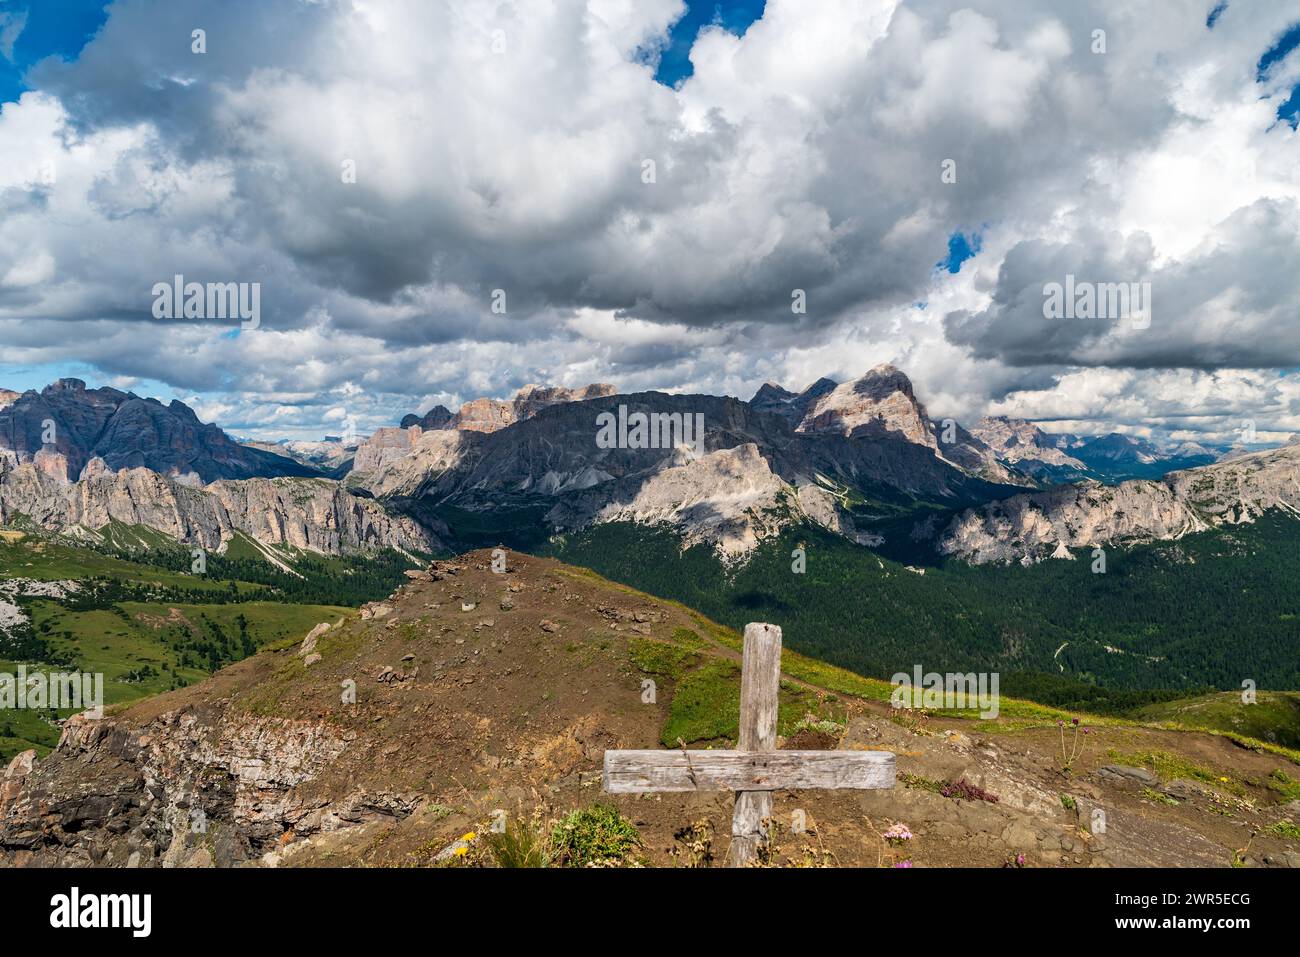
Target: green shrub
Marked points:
596	836
1286	829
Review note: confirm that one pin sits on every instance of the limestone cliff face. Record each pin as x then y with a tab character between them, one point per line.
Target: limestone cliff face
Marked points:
314	514
1031	527
394	467
730	498
384	447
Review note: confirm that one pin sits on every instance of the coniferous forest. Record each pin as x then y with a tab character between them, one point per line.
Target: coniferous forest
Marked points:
1209	611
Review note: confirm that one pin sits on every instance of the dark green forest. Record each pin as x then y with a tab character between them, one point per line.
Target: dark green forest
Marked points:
319	580
1204	612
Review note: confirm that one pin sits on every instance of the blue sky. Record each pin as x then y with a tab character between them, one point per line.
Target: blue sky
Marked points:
49	28
734	15
1286	44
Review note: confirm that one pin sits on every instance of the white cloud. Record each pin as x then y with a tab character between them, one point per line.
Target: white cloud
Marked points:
501	145
12	24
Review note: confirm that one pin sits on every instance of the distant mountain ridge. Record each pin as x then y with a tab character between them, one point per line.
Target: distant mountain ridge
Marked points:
1053	458
1039	525
855	458
488	415
126	431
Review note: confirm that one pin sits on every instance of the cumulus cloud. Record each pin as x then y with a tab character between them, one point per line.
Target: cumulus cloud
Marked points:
12	24
389	171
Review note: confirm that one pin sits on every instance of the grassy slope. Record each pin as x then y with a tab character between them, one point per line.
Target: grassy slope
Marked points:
141	648
1274	716
48	560
540	691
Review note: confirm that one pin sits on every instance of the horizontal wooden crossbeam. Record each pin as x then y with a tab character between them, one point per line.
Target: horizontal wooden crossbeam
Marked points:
638	772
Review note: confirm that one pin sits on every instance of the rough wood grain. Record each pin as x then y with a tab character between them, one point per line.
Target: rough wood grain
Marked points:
760	692
760	687
635	772
750	823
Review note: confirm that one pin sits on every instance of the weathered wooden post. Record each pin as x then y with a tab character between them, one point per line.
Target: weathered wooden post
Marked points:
755	769
760	693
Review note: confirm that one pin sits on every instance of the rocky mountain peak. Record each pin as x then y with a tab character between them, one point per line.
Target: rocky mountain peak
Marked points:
439	417
791	406
883	397
65	385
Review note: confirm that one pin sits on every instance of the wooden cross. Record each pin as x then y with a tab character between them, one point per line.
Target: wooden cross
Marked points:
755	769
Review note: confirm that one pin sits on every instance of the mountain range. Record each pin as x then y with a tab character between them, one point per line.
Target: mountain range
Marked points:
1047	524
862	459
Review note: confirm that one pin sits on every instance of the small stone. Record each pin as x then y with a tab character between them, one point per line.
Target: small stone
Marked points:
1122	773
549	626
311	659
200	858
309	643
1183	788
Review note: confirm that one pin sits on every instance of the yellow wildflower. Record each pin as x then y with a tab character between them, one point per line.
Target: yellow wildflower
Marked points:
471	835
461	851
